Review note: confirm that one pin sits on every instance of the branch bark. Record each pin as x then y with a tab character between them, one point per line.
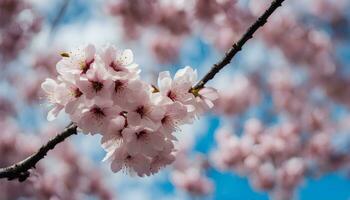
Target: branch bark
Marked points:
261	21
21	169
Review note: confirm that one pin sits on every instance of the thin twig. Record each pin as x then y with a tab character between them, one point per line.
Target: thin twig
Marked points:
21	169
238	46
60	14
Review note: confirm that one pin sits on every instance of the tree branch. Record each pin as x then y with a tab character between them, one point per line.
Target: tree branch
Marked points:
60	14
21	169
238	46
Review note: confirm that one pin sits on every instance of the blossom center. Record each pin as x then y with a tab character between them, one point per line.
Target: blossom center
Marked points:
141	134
77	93
119	134
97	112
141	111
165	120
171	95
86	66
96	85
118	85
116	66
128	157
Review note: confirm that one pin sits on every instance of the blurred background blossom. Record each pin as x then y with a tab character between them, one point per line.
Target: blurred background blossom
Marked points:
280	129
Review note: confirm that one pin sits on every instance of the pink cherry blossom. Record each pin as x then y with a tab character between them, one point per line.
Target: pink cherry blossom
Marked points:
17	31
175	115
165	48
124	90
120	64
264	177
143	112
121	159
74	175
143	141
177	89
76	62
205	99
189	173
114	131
97	84
192	181
56	95
94	119
163	158
102	92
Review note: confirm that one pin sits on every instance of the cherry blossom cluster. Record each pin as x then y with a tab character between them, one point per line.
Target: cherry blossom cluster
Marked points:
277	158
18	23
189	174
221	22
268	157
175	20
312	46
73	177
7	108
243	93
102	93
306	141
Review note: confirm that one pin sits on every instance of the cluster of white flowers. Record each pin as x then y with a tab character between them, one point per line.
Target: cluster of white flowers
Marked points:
102	92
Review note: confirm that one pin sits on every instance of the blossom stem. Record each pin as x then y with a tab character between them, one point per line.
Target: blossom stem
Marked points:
21	169
236	47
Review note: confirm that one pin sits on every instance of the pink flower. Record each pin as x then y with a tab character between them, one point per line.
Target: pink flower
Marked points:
204	100
163	158
264	178
175	115
78	62
76	99
57	95
103	93
166	48
192	181
97	85
120	64
291	173
124	89
95	119
143	141
121	159
113	133
177	89
143	112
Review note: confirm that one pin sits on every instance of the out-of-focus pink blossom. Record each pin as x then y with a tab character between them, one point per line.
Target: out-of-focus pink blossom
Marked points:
7	108
192	181
277	159
242	94
166	48
72	177
189	174
18	24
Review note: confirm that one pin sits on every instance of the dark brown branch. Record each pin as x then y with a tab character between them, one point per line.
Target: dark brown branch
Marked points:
21	169
238	46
